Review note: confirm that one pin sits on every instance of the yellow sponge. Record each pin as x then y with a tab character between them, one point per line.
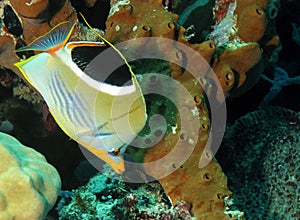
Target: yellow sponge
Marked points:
28	184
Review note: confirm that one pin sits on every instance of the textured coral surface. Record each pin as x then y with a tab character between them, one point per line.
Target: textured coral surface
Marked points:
119	200
204	188
28	184
262	151
231	67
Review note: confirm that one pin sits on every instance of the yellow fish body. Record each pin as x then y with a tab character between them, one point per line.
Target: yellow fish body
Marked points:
102	117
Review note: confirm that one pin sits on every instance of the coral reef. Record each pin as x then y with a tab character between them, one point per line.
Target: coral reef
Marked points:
22	23
28	184
236	38
240	29
34	20
127	20
250	32
231	60
281	80
22	91
40	16
262	165
8	57
206	188
19	88
28	126
229	64
106	198
8	79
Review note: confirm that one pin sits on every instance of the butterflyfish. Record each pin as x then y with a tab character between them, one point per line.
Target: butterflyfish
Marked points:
102	116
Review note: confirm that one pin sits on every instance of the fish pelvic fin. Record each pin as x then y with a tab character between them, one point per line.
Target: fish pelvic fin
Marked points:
53	40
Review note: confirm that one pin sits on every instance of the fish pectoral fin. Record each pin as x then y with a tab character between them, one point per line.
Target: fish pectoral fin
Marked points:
53	40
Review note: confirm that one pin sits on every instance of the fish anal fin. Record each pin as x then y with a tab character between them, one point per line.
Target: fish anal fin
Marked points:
117	163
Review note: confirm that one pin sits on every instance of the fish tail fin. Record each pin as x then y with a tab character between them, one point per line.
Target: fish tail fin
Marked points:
53	40
106	41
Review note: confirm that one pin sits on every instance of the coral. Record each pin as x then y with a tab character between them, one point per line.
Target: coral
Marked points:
19	88
241	32
204	188
233	48
7	56
249	27
281	80
6	126
124	21
25	92
231	61
32	19
261	160
251	20
36	19
127	21
28	184
226	27
221	8
105	198
39	17
232	70
8	79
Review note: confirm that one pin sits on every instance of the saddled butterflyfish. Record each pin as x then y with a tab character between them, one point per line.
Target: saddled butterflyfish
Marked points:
102	116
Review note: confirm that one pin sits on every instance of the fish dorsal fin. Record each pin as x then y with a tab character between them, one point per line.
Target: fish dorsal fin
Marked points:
108	43
53	40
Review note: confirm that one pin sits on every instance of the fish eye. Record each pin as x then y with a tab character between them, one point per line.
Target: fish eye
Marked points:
114	152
